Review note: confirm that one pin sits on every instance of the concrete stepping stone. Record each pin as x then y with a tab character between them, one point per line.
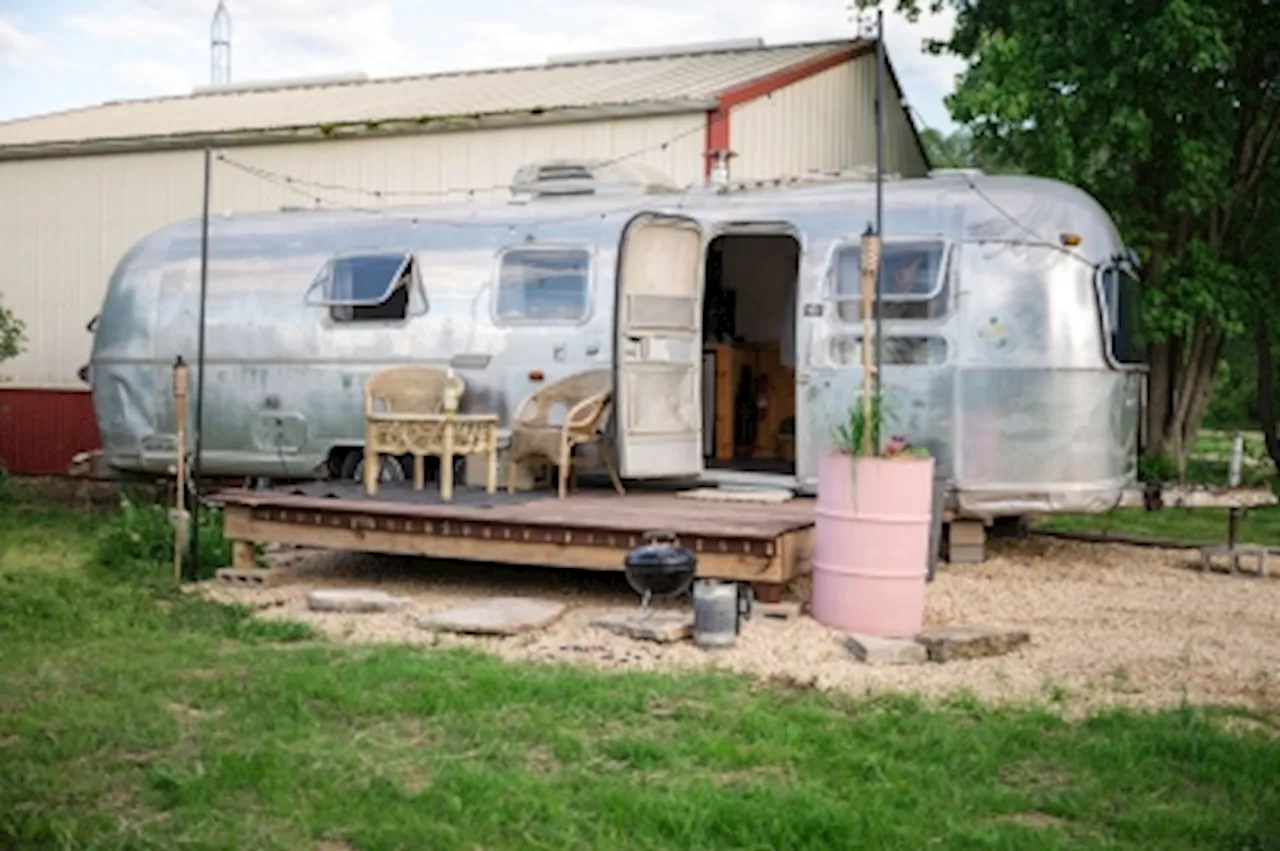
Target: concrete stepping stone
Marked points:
499	616
662	627
354	600
950	643
877	650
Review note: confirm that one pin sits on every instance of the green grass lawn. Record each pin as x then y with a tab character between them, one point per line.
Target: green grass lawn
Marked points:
132	717
1208	464
1185	525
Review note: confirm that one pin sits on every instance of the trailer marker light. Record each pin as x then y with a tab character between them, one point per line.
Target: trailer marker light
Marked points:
536	375
1071	239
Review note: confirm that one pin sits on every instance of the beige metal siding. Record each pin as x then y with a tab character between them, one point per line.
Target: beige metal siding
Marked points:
825	122
665	79
65	223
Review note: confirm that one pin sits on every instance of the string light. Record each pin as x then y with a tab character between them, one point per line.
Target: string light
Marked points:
311	189
294	182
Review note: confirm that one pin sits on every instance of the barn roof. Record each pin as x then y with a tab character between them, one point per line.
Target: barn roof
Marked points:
675	80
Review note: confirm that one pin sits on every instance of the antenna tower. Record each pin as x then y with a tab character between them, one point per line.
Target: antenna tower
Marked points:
220	46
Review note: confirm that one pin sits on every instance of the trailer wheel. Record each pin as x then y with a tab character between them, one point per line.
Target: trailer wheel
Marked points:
393	469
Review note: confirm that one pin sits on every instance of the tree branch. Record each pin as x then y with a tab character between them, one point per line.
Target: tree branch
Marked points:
1187	379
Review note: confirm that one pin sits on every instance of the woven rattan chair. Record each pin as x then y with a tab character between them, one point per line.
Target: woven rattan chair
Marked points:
586	398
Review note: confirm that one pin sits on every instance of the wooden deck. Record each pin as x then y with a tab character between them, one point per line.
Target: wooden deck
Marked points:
759	543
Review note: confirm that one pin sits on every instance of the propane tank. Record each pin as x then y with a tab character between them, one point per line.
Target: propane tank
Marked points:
718	611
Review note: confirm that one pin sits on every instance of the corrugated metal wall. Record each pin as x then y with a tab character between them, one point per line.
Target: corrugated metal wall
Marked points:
824	122
65	223
41	430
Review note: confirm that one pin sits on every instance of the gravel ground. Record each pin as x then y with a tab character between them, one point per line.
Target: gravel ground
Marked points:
1110	625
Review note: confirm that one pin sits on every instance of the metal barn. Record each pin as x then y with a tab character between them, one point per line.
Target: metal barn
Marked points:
78	187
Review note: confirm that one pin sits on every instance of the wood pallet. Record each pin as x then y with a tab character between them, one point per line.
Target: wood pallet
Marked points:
763	544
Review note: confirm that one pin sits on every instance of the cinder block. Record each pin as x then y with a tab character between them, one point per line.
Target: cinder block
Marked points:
255	577
783	611
876	650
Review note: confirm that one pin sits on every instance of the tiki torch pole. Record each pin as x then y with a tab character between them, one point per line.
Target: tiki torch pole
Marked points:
181	519
870	335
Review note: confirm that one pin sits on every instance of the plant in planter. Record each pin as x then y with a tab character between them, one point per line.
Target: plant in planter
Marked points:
872	527
851	435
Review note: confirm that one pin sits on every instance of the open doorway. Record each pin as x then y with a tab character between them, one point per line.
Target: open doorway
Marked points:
748	367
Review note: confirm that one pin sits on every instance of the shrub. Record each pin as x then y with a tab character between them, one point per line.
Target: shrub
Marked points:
12	334
137	541
1158	469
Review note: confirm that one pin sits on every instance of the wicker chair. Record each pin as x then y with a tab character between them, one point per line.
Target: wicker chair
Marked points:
586	397
411	397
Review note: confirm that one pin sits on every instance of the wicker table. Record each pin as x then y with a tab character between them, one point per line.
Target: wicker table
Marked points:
443	436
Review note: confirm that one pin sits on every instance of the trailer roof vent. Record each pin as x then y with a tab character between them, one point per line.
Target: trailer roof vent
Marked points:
575	178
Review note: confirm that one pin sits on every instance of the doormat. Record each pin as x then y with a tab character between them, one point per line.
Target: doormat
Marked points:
772	496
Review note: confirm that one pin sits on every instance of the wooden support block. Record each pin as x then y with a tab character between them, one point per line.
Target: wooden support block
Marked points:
768	592
243	556
966	542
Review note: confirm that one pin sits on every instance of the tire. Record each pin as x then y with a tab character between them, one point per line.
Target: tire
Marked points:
393	469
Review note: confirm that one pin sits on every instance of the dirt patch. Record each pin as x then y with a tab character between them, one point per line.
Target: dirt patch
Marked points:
1043	821
1110	625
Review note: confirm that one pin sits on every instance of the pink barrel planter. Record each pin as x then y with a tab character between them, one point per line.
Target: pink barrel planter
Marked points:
871	543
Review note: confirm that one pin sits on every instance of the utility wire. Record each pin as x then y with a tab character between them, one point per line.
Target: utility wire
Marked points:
968	179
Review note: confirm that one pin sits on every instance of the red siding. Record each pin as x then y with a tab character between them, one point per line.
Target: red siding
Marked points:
41	430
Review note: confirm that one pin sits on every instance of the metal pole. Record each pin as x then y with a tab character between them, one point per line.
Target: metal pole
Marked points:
199	424
879	193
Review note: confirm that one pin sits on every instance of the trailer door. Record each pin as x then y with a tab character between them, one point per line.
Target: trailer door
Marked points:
658	399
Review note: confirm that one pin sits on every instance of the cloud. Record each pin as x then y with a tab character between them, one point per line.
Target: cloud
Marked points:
153	76
16	46
129	24
552	27
160	46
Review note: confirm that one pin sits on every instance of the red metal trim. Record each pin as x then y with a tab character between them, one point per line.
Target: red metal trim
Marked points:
717	137
718	118
780	79
41	430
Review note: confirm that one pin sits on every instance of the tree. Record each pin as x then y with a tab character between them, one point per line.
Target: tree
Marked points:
954	151
1263	282
1168	112
960	150
12	334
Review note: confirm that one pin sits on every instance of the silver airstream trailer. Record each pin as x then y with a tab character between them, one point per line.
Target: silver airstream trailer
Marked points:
1008	328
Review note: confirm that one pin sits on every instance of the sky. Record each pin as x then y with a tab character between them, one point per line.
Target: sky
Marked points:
60	54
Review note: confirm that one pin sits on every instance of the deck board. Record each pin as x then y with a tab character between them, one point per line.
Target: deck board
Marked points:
602	511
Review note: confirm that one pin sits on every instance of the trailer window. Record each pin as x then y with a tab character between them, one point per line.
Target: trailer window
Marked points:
898	351
1121	300
368	287
912	275
543	284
